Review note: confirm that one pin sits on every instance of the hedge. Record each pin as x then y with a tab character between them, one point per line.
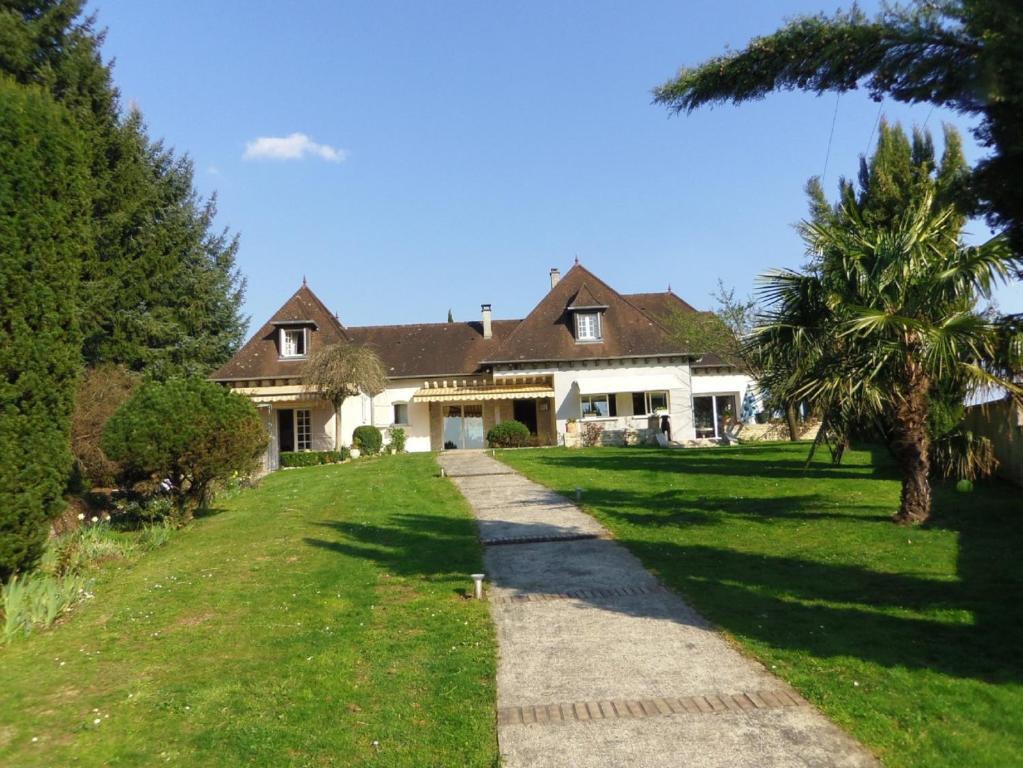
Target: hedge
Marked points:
312	458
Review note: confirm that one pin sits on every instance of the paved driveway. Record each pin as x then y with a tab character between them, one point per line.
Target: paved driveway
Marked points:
602	666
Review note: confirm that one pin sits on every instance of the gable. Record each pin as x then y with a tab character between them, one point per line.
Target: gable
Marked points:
260	357
547	333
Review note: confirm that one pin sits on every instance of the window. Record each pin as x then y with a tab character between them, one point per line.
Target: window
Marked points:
595	406
587	326
303	430
647	403
293	342
401	413
656	401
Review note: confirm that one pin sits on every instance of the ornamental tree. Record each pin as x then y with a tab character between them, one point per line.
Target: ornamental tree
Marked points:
339	371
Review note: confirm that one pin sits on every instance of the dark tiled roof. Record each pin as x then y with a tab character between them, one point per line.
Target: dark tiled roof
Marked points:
259	358
660	305
584	299
433	349
547	332
663	306
632	325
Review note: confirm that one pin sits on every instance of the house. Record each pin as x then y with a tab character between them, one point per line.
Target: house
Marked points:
587	363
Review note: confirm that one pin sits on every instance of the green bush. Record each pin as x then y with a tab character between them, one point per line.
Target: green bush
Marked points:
398	438
44	204
189	431
312	458
508	434
368	439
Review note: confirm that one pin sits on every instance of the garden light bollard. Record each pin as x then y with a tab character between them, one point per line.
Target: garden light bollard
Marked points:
442	472
578	494
477	585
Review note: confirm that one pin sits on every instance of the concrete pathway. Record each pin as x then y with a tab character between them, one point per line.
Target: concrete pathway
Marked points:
601	666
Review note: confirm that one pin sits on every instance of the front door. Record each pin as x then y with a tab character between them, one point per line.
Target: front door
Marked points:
286	430
525	411
463	426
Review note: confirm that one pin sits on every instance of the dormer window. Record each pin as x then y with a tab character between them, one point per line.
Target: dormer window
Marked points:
293	342
587	326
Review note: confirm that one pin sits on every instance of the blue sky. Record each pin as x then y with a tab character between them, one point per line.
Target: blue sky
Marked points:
454	152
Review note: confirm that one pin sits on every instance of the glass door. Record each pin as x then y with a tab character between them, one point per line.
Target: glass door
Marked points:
710	412
463	427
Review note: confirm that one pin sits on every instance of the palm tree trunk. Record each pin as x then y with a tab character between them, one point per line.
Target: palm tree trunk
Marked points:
792	417
911	447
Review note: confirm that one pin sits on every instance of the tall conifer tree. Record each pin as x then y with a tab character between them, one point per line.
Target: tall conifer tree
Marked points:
44	232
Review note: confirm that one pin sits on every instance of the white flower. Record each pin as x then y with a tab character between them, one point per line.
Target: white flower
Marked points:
81	515
97	721
95	519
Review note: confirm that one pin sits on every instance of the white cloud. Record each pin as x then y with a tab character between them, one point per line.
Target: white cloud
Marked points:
293	147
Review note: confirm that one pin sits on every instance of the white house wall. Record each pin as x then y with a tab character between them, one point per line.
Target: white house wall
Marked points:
620	377
725	383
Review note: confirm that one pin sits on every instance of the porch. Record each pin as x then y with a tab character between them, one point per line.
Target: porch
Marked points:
463	411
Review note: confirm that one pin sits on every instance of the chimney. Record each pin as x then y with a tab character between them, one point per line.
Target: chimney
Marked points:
555	276
488	328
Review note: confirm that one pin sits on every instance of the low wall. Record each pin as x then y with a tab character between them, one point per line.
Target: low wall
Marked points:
1002	423
619	430
752	433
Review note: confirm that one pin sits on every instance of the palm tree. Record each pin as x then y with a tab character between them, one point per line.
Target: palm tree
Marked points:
884	313
339	371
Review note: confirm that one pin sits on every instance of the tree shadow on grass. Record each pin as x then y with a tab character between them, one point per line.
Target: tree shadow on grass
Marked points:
430	547
738	462
823	609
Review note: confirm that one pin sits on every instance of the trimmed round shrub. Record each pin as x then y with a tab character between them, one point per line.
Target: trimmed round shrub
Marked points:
368	439
190	432
508	434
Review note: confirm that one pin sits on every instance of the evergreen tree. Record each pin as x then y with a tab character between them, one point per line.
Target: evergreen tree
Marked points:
962	54
160	290
44	232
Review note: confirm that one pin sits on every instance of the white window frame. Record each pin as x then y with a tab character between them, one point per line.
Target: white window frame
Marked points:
285	346
394	414
581	321
303	429
591	399
648	396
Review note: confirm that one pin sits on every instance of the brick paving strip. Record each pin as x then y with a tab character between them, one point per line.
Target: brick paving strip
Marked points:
600	666
708	704
576	594
505	540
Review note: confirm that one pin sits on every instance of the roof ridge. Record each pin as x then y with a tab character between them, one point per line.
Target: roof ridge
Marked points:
410	325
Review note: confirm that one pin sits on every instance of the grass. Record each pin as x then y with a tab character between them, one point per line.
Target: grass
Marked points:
316	620
910	638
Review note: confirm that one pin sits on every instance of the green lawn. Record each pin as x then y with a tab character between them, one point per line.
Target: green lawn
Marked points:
317	620
912	638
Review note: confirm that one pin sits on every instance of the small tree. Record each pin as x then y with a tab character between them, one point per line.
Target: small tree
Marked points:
190	431
339	371
724	332
101	392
